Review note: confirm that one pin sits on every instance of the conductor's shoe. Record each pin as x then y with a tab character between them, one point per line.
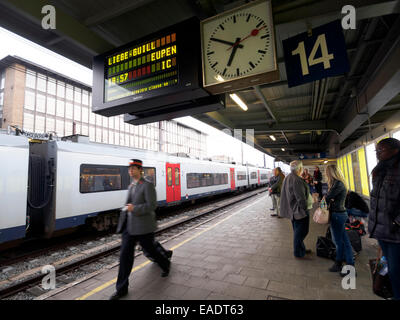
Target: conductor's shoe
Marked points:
169	254
118	294
165	271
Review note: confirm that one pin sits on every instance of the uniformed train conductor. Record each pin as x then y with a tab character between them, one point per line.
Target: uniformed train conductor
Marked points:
137	223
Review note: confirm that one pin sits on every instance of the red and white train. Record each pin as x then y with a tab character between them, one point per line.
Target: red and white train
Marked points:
49	186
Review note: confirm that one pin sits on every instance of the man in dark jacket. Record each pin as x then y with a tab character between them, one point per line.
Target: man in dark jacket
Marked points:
275	190
137	223
384	216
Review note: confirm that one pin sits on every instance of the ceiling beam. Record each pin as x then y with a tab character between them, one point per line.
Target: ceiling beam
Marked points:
319	125
379	85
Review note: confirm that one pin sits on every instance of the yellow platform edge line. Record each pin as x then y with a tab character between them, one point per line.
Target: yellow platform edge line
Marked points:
109	283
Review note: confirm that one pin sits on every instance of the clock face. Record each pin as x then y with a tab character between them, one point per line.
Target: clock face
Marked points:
238	44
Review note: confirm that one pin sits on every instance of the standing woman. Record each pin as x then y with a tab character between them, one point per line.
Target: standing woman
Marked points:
336	197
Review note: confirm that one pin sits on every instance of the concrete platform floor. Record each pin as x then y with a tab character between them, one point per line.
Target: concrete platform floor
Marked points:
244	255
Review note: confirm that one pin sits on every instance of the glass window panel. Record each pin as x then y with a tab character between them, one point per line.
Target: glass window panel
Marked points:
169	176
111	137
51	106
41	82
98	120
111	123
68	128
68	110
92	133
78	94
29	100
30	79
50	124
28	122
60	108
90	99
78	129
150	174
51	86
116	138
132	141
85	97
356	173
85	130
77	113
60	128
85	115
40	103
98	134
1	98
95	178
105	122
92	117
69	93
39	124
396	135
105	136
177	177
60	89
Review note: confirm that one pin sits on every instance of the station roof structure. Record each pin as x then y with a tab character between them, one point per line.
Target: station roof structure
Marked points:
327	114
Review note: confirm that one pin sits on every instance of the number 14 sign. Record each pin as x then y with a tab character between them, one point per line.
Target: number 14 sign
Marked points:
322	55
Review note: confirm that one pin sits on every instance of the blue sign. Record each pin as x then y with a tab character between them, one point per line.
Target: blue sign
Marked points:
321	55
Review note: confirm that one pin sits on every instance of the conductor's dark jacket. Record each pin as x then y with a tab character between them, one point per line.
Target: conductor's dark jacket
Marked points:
142	219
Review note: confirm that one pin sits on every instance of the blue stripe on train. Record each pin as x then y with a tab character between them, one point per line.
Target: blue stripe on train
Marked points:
14	233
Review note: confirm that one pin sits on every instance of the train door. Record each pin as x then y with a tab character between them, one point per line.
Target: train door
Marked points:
173	182
232	178
259	179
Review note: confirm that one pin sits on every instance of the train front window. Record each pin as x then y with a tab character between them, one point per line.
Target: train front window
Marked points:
98	178
150	174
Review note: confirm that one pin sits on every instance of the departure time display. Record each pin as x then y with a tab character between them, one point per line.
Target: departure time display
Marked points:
142	68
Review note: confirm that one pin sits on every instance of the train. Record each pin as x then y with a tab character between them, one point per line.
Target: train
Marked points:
50	185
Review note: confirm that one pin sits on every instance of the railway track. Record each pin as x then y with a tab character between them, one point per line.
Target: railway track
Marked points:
97	258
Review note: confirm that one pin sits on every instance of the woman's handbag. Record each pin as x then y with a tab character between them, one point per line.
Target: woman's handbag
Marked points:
321	215
381	285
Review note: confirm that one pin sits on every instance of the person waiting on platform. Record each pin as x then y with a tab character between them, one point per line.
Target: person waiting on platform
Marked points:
272	180
295	196
275	190
308	179
318	182
137	223
384	216
335	198
356	206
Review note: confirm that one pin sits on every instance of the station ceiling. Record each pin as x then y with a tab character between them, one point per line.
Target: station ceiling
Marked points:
327	114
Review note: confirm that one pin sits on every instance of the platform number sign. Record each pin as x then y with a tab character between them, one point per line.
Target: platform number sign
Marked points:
321	55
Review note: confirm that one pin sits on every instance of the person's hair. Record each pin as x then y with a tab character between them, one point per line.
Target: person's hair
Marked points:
333	173
296	166
279	169
391	143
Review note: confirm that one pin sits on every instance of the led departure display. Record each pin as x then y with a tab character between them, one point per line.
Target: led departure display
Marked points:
153	78
142	68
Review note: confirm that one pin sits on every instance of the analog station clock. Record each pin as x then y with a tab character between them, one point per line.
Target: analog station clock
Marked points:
238	48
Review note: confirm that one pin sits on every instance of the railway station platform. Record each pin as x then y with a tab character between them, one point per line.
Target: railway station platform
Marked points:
243	255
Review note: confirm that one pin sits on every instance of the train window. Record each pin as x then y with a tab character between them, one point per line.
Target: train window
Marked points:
169	176
253	175
196	180
150	174
177	182
99	178
264	176
241	175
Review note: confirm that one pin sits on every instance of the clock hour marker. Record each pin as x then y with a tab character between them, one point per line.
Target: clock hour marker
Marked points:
237	71
248	18
221	27
234	19
259	24
208	53
214	65
223	73
262	51
251	64
264	36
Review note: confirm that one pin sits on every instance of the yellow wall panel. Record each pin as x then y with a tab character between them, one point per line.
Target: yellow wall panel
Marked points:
351	176
363	172
346	176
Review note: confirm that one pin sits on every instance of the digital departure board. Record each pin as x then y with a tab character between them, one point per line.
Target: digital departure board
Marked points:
142	68
154	76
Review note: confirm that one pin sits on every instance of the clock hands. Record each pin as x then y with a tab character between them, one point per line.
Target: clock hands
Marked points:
233	52
226	42
253	33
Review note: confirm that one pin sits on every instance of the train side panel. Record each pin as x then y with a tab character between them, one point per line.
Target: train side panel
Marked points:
14	159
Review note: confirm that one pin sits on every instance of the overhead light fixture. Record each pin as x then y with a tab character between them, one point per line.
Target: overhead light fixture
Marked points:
272	137
239	101
326	161
283	149
219	78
